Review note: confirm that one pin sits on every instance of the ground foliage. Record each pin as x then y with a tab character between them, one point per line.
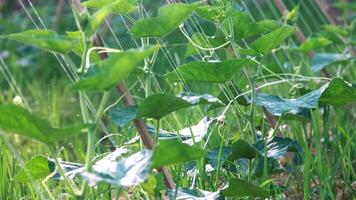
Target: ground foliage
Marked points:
236	105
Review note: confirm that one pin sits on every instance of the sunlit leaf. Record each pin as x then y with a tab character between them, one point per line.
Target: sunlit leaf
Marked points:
40	167
198	131
114	69
171	152
159	105
79	47
271	40
15	119
44	39
244	26
315	43
126	172
169	18
293	14
212	13
204	42
214	72
193	194
36	168
99	16
120	6
242	188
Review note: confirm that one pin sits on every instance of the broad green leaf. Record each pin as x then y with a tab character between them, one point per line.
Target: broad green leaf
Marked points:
169	18
271	40
212	13
39	167
120	6
204	42
238	150
213	156
322	60
337	93
123	115
230	93
126	172
159	105
193	194
277	147
171	152
44	39
149	185
114	69
242	188
244	26
214	72
242	149
79	47
279	106
16	119
340	30
36	168
99	16
312	44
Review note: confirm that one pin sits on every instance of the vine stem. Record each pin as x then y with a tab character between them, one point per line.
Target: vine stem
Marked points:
128	101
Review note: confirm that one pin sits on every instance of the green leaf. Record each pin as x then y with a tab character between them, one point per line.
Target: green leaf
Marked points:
278	106
214	72
242	188
193	194
315	43
346	6
337	93
212	13
44	39
79	47
198	131
16	119
36	168
271	40
114	69
322	60
203	41
120	6
169	18
171	152
244	26
230	93
277	147
99	16
39	167
126	172
159	105
242	149
123	115
293	14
